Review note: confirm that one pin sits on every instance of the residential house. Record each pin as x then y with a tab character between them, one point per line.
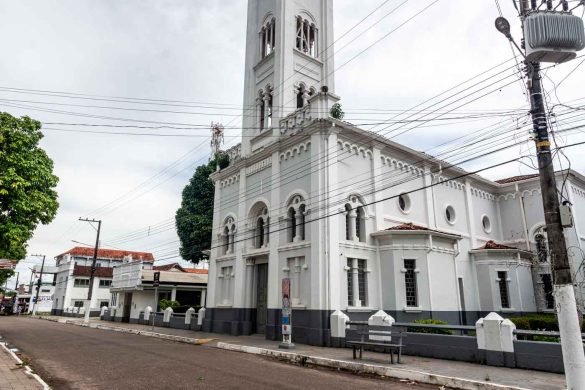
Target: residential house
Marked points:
73	278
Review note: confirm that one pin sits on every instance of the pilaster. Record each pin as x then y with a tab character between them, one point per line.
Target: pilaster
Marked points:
274	277
430	198
239	266
469	214
215	247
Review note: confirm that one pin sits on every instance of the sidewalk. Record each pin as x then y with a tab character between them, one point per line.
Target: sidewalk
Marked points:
14	376
450	373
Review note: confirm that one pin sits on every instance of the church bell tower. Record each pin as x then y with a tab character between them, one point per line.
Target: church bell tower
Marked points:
289	57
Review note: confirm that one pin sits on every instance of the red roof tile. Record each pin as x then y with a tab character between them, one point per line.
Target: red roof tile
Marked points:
494	245
101	272
407	226
196	271
516	178
167	267
109	254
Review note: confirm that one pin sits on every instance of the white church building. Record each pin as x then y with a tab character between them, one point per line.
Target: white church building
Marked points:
357	222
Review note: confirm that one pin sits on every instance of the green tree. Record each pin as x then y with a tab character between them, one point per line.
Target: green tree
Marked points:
27	184
194	219
164	303
336	111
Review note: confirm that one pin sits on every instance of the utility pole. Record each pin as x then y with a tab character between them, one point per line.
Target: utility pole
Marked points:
15	289
93	267
564	293
39	282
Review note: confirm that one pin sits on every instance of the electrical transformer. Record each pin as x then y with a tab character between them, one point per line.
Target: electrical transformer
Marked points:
553	36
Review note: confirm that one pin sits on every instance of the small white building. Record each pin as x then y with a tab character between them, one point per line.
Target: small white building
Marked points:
133	291
47	289
73	274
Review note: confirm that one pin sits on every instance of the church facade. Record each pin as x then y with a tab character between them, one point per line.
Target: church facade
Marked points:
357	222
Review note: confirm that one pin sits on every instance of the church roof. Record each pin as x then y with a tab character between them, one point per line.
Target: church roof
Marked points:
409	226
494	245
514	179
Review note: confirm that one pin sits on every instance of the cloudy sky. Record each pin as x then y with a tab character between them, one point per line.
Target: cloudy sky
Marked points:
179	64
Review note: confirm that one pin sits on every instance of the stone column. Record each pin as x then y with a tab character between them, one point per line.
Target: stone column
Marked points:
352	221
203	296
355	283
230	246
248	291
259	103
174	294
297	233
305	97
266	99
266	232
297	282
224	286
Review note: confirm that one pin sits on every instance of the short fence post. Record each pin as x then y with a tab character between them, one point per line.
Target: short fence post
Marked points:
381	319
339	322
167	315
200	318
495	340
188	316
147	313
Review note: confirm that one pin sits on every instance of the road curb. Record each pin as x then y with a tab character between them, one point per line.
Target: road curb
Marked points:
164	336
363	368
27	370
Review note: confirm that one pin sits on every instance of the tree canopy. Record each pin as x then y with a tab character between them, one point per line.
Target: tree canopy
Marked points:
194	219
27	184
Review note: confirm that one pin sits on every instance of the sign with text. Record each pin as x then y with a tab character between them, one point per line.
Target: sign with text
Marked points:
156	280
286	311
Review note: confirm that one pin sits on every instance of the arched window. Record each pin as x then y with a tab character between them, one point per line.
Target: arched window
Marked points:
226	240
228	236
264	102
348	228
306	40
300	97
259	223
541	247
360	224
296	219
355	220
267	38
292	224
259	232
301	227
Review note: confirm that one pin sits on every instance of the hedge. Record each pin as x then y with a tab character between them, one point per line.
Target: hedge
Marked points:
429	321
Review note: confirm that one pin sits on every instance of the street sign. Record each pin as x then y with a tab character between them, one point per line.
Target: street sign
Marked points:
286	316
7	264
156	281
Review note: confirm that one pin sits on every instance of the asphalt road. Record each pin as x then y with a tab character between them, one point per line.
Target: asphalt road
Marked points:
72	357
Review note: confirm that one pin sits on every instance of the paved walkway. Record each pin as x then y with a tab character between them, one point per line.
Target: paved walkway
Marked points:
516	378
14	376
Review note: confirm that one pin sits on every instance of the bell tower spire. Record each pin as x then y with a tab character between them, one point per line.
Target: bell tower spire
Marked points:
289	57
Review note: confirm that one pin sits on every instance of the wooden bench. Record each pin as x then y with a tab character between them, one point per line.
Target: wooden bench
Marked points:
394	346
